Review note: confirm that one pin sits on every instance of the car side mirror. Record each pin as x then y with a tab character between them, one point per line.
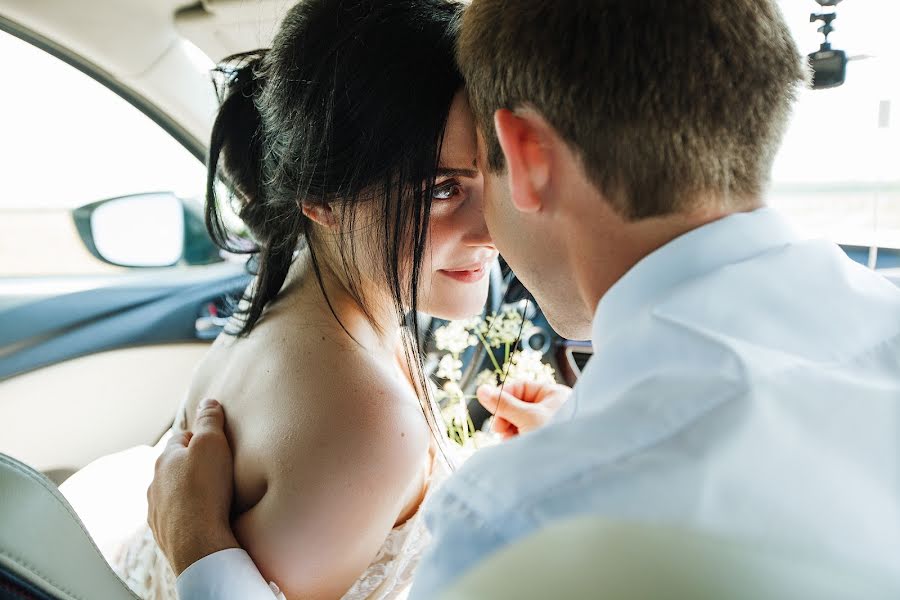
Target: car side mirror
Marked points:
145	230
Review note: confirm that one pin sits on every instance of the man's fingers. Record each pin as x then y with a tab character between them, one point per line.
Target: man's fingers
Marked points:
503	404
210	419
522	405
179	439
502	427
522	390
532	391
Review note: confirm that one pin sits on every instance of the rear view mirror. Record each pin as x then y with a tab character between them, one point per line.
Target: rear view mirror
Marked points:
144	230
829	68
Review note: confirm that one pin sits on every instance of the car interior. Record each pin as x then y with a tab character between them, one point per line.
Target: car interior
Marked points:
102	323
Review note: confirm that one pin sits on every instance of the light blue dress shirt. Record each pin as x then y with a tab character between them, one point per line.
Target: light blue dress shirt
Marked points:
744	382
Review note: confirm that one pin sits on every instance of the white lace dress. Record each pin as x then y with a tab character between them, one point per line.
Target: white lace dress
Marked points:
142	565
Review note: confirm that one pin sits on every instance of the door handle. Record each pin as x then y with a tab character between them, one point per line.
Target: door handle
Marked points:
210	323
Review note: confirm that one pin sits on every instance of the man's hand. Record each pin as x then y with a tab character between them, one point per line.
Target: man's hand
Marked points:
523	405
190	497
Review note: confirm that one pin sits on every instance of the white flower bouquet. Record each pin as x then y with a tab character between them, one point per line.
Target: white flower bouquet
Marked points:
499	334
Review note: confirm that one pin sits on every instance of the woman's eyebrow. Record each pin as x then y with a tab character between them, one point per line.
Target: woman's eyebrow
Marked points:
456	172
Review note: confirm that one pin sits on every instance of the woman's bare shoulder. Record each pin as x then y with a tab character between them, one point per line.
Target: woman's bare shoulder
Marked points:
353	396
289	392
345	463
288	395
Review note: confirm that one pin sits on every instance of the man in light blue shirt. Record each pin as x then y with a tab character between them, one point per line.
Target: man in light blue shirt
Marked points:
745	382
746	389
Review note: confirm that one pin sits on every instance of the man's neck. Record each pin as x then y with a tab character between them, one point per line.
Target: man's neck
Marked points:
606	253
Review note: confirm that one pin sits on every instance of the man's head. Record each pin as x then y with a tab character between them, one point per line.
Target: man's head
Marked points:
605	117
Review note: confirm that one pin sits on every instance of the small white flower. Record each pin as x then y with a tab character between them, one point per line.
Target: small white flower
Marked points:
453	392
526	365
449	368
486	377
454	337
504	328
473	323
483	439
449	413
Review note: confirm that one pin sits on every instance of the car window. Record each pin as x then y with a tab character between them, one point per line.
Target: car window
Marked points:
68	141
837	174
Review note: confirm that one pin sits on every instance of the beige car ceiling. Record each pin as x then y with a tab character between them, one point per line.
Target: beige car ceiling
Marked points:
150	47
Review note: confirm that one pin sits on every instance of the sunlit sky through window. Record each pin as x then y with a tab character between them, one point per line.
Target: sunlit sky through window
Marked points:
834	135
67	140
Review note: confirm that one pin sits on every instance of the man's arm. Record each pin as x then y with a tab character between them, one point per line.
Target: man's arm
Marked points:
462	535
225	575
188	510
460	538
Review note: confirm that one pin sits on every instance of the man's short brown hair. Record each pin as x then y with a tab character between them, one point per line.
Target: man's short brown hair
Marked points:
661	99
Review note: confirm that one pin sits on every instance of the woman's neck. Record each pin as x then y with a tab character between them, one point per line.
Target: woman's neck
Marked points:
378	332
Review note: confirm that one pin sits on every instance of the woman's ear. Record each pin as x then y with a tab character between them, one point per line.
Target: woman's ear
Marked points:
523	138
323	214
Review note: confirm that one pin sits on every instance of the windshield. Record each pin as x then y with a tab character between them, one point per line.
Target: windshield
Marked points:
838	172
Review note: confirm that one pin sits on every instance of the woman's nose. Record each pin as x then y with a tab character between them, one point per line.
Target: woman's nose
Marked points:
477	233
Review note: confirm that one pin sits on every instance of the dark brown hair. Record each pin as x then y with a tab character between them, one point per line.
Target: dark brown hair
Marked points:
349	105
661	100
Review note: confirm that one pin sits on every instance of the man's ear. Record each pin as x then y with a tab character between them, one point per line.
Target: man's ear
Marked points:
523	137
323	214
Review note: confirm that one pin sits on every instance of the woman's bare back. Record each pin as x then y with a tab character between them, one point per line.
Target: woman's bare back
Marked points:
298	391
263	381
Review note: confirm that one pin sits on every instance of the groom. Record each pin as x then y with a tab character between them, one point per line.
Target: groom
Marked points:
745	382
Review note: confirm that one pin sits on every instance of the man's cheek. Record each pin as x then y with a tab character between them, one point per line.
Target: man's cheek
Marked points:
493	218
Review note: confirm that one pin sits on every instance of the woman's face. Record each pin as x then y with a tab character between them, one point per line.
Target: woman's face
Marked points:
459	252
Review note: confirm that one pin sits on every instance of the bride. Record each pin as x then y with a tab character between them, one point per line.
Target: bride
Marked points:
349	150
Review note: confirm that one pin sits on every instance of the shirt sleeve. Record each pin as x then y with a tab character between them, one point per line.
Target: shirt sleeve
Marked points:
461	538
225	575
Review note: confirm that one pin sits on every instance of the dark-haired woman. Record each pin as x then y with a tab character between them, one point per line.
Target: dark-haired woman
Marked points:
350	151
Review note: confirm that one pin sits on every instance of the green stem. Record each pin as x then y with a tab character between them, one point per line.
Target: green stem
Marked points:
490	353
448	427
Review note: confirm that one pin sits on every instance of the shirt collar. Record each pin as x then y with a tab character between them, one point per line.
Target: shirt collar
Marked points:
729	240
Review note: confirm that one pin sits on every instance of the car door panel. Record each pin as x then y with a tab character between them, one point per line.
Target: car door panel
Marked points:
163	309
61	417
94	371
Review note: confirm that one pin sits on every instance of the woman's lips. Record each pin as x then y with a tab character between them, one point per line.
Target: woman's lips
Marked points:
465	275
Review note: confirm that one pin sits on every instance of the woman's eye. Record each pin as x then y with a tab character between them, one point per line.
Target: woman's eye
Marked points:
446	191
